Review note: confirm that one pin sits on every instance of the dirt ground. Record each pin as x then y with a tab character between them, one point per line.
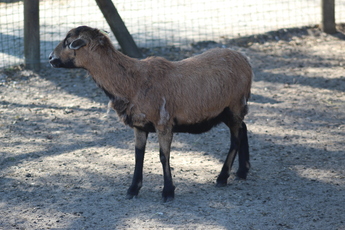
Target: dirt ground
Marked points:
66	164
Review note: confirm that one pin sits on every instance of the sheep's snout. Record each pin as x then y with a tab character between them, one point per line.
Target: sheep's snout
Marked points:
54	62
57	62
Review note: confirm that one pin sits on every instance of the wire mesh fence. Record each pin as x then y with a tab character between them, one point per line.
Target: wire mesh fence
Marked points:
158	23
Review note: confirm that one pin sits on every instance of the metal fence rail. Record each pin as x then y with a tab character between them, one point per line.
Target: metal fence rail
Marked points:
154	23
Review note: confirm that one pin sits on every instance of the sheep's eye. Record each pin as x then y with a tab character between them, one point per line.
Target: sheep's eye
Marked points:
66	43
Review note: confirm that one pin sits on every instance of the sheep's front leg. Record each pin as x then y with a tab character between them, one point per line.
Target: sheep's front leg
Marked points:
140	143
165	139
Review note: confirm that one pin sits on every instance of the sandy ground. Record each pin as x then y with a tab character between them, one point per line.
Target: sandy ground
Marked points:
66	164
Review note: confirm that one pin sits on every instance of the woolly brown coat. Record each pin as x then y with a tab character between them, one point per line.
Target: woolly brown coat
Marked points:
155	94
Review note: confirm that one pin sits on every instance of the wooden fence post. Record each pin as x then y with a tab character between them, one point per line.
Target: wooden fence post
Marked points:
32	34
119	29
328	16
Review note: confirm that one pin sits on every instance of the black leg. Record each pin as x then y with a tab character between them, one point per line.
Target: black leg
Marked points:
165	139
226	169
140	143
243	154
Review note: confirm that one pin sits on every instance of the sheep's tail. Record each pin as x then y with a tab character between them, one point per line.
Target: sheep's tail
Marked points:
110	106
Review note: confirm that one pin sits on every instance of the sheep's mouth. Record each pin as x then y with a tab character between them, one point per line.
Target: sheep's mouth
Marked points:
57	63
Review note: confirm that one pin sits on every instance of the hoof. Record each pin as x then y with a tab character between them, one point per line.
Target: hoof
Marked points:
168	194
167	199
239	178
222	181
241	175
133	191
130	196
221	184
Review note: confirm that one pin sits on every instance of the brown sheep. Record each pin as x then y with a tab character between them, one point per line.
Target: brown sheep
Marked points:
156	95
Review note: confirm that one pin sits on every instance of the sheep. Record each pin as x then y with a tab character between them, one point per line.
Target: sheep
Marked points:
156	95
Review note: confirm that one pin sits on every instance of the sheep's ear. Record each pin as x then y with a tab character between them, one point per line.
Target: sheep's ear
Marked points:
101	39
102	36
77	44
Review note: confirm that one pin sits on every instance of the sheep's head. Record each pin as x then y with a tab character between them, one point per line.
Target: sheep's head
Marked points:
74	50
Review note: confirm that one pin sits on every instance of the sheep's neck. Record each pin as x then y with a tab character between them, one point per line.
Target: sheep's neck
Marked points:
113	75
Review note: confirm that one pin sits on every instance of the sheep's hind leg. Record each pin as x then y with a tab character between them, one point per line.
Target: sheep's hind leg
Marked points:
243	154
226	169
140	143
239	143
165	139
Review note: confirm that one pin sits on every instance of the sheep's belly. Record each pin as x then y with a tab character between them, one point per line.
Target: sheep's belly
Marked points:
196	128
